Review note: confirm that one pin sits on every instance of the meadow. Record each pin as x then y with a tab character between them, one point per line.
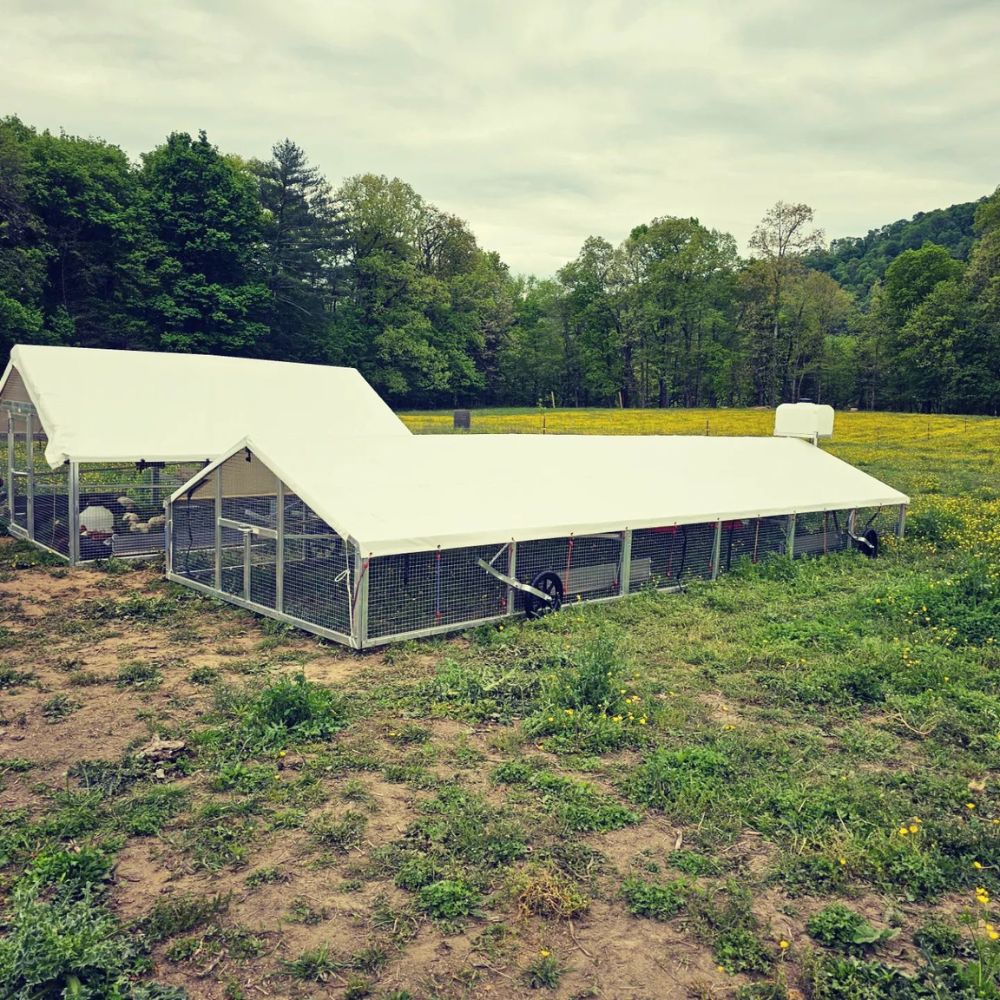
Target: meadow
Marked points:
782	784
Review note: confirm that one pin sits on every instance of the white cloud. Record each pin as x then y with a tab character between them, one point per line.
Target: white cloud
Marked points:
544	122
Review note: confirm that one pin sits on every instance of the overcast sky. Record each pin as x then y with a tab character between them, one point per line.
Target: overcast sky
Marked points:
544	122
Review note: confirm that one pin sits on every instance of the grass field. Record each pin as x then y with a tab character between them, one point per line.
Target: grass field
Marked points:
781	784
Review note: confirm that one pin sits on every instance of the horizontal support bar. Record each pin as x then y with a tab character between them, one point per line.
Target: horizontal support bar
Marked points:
247	529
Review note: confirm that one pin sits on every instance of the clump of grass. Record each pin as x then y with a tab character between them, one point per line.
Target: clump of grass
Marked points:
542	891
680	782
58	707
342	833
493	690
148	608
354	790
244	778
111	777
577	804
203	675
544	971
449	901
408	734
179	914
301	911
313	965
693	863
136	674
266	876
64	947
838	926
833	978
11	678
725	918
84	678
658	901
70	873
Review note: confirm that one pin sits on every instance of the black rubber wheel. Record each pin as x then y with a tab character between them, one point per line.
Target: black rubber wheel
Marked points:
871	549
550	584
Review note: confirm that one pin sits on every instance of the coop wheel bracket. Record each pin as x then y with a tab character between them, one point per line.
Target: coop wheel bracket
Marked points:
516	584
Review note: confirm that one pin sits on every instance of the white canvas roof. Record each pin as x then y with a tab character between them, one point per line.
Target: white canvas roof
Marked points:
106	406
415	494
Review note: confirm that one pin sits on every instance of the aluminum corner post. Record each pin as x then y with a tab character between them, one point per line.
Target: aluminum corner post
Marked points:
217	574
716	550
625	575
74	512
279	546
790	536
10	466
901	521
29	435
359	635
512	572
168	539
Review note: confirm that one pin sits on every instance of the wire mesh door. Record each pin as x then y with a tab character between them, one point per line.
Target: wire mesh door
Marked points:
19	466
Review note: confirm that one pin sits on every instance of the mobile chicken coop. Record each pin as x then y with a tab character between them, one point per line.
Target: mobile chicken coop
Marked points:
96	440
368	541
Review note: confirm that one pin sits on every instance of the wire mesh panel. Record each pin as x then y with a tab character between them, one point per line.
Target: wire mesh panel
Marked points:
193	539
753	539
50	507
669	555
121	507
248	528
317	579
588	566
821	532
18	470
426	590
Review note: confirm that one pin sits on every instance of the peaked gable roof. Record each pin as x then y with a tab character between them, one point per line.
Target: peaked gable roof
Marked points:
106	406
418	493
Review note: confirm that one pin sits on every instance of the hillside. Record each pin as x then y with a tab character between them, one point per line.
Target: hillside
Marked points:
857	262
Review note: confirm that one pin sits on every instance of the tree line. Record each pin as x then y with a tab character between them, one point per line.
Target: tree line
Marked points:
191	249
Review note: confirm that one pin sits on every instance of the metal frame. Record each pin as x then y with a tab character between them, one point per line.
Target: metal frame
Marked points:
262	609
359	565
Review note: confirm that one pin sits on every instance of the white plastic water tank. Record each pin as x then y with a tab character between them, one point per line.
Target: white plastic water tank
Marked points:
803	420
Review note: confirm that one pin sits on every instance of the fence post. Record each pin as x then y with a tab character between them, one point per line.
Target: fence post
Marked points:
790	535
626	570
716	550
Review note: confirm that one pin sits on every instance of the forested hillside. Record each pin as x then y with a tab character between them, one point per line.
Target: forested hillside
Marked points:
197	249
857	262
